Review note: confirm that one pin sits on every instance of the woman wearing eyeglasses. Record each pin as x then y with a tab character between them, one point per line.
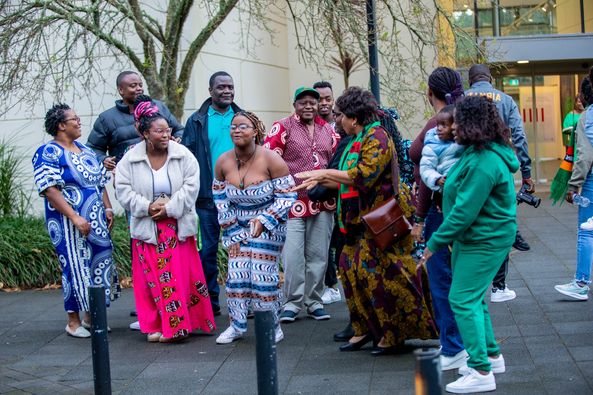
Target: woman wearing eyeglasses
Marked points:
78	214
157	182
252	193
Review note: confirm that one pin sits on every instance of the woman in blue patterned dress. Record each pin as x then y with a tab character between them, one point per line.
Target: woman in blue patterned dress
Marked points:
252	192
78	213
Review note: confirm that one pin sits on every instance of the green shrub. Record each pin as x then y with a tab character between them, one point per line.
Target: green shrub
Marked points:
14	200
28	258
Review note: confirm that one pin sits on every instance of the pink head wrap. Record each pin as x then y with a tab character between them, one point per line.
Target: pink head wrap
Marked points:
146	108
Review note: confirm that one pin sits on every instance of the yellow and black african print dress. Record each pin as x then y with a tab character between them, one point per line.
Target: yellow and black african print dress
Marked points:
385	295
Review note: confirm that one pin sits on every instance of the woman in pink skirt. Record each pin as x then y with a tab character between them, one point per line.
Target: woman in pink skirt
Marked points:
157	182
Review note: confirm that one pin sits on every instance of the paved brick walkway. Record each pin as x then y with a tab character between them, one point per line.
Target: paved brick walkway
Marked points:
547	340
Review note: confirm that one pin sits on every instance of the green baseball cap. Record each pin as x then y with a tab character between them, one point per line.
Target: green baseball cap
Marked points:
305	90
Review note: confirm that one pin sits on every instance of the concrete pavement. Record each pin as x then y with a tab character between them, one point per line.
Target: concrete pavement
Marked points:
546	339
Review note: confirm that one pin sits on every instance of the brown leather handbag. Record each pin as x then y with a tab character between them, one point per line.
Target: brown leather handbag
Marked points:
387	223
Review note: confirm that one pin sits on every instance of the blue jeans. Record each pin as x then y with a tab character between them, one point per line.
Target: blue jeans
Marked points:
210	234
439	278
585	237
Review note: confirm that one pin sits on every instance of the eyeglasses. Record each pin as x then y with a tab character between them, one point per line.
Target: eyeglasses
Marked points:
162	132
77	119
242	127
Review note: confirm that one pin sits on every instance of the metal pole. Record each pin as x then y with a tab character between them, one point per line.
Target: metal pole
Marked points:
495	18
100	344
373	53
535	127
428	371
265	349
582	6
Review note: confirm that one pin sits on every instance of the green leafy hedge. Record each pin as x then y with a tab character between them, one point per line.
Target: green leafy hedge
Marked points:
28	258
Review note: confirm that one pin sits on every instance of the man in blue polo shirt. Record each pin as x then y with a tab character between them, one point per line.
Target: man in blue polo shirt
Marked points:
207	136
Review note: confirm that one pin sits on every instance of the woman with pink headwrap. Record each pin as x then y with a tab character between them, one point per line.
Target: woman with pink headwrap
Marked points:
157	182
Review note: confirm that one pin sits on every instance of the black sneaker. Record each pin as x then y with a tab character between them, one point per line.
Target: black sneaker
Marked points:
520	243
319	315
216	310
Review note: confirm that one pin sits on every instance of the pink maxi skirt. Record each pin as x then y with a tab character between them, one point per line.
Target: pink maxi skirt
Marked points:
169	284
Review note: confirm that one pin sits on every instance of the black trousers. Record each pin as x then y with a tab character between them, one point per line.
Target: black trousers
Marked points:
500	279
336	244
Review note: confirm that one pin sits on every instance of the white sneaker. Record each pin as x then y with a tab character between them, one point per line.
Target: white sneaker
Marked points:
502	295
496	364
587	225
135	326
80	332
331	295
228	336
472	382
574	290
279	334
455	361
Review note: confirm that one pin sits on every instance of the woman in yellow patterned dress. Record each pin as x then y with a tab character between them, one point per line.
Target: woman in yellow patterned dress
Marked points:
388	301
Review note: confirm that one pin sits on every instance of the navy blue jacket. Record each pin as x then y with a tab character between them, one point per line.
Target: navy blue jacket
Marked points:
195	138
115	130
509	112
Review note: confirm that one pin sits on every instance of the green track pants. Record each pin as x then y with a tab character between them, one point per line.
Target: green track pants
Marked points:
474	268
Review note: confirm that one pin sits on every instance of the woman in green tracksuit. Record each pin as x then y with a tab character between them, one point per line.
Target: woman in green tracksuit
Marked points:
479	210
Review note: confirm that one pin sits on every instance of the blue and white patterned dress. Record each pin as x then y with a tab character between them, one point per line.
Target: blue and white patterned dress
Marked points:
85	261
253	276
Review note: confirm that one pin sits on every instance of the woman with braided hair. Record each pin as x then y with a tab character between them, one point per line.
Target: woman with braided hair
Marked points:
252	193
444	88
157	182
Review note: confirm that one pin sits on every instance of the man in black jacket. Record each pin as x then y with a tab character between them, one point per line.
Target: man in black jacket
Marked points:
207	136
114	130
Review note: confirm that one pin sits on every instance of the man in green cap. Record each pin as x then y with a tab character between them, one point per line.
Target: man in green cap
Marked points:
305	142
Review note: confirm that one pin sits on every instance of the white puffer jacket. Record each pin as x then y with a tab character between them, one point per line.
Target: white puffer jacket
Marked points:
134	190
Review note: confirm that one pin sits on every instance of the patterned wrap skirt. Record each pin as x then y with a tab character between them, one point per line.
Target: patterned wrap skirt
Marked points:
169	284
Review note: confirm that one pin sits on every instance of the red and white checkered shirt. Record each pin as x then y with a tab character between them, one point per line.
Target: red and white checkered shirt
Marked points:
289	137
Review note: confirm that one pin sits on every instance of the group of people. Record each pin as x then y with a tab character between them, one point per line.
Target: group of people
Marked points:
295	197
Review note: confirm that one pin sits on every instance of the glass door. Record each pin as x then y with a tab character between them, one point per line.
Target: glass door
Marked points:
543	103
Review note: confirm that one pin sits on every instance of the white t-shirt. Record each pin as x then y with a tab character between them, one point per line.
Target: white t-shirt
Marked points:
161	180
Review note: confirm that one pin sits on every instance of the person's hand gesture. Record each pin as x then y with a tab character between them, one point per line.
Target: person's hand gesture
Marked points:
530	185
425	257
110	219
82	225
417	230
109	162
157	211
256	227
570	196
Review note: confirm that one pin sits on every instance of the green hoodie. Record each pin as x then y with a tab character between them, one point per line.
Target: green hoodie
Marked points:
479	203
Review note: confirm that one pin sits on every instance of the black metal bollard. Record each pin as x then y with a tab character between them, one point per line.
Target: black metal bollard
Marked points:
101	370
265	349
428	371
